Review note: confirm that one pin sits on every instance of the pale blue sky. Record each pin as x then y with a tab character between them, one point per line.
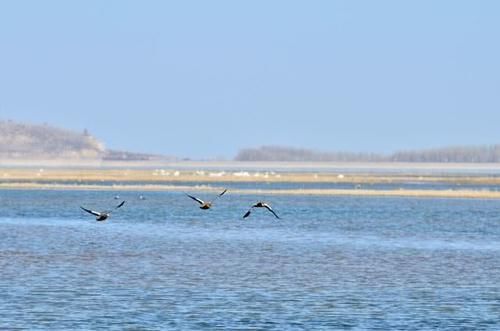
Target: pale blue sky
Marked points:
205	78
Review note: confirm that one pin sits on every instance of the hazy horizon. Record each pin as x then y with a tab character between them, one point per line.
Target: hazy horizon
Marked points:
201	80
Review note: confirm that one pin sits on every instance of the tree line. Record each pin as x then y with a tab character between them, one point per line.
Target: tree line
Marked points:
463	154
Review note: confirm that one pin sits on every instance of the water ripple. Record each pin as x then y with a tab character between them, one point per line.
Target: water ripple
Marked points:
331	263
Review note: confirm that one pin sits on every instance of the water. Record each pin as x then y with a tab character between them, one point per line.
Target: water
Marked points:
404	185
358	263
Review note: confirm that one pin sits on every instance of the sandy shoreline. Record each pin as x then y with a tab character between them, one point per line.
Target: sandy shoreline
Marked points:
41	175
465	194
187	179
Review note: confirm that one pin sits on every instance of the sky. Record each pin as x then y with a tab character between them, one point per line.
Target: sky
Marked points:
203	79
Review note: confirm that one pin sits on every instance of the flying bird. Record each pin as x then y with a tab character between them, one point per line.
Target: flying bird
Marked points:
261	204
103	215
207	204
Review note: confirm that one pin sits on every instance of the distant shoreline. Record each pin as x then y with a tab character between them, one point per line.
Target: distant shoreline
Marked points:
213	174
165	179
452	194
348	167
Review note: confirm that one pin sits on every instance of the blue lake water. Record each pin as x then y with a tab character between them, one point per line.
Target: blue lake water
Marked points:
356	263
405	185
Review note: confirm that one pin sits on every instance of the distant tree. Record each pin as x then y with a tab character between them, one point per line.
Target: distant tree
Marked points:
466	154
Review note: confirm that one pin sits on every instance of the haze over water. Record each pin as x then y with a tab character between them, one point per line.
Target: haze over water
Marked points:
330	263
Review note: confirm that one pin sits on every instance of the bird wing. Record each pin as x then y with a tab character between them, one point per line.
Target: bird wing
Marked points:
95	213
201	202
121	204
221	194
110	211
247	213
271	210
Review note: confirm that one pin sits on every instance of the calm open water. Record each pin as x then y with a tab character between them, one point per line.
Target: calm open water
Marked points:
358	263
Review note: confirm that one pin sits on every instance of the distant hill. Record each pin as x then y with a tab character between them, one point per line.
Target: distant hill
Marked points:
463	154
19	141
28	141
